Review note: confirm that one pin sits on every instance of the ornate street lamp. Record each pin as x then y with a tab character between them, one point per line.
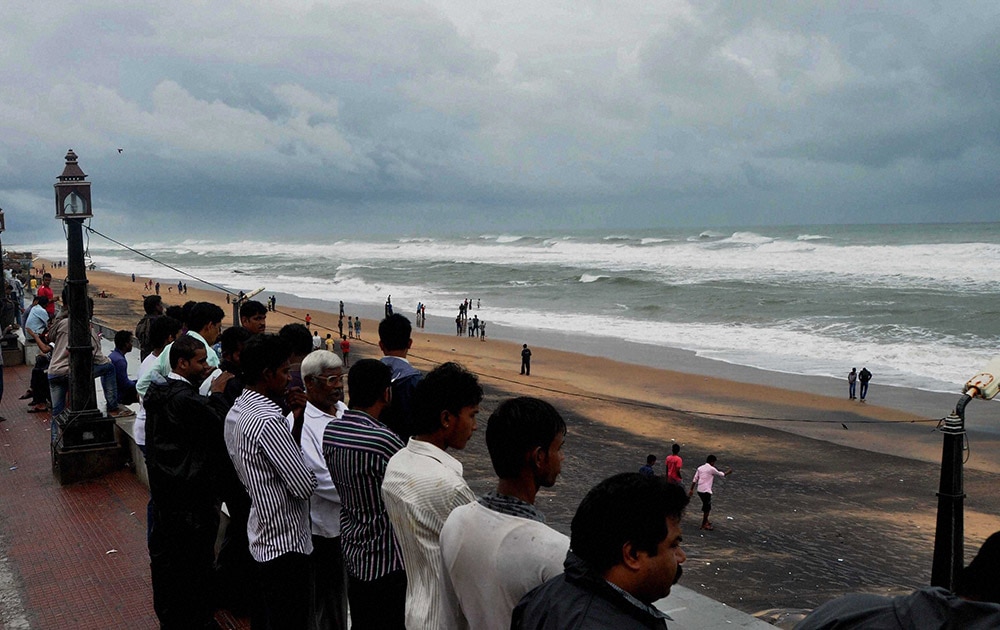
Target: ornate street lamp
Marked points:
86	445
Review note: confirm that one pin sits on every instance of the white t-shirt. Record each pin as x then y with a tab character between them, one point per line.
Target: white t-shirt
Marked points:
494	559
705	477
324	506
422	485
140	417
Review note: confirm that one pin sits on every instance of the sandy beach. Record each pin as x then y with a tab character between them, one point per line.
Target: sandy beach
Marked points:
829	496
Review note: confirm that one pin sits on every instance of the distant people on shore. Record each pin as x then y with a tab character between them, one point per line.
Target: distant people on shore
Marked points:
852	383
674	464
703	480
863	377
498	548
974	604
625	553
525	360
357	327
647	468
388	306
345	350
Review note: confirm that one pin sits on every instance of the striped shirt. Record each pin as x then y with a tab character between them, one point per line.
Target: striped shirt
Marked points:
357	449
269	463
423	484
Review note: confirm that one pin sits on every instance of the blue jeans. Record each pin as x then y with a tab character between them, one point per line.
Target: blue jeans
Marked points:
850	389
59	385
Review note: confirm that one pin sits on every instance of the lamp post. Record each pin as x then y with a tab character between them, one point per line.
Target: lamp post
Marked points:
86	446
949	535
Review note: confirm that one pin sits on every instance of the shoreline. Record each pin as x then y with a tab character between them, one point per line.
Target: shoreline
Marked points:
814	511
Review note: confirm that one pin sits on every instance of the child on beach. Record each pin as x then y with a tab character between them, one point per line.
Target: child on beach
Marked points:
648	468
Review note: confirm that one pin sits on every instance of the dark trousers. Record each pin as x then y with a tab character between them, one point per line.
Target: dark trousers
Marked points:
181	554
286	587
526	366
864	389
379	604
329	584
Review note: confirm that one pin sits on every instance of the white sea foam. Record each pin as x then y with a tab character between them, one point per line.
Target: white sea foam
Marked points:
587	278
812	237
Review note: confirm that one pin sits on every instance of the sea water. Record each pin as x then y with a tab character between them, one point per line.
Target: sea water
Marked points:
919	305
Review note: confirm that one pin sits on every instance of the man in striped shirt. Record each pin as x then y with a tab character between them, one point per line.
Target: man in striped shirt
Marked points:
357	448
423	484
269	462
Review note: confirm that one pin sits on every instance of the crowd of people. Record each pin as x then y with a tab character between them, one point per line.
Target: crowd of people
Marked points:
353	507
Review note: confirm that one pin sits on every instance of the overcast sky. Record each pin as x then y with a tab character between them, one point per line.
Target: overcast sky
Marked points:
280	117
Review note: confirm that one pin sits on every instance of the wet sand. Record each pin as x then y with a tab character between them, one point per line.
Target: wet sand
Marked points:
813	510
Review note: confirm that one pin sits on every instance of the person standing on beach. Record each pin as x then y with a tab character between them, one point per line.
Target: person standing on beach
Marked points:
394	339
498	548
345	350
331	344
357	327
852	380
525	360
423	484
674	464
309	320
703	479
864	376
316	340
647	469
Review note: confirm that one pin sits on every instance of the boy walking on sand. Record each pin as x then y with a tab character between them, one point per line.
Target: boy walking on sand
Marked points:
703	479
345	350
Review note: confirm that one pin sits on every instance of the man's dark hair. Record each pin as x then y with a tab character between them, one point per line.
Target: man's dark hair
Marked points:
298	338
711	459
42	300
448	387
177	312
46	275
122	338
394	332
184	348
232	337
676	448
517	427
249	308
203	314
625	508
650	459
979	581
150	304
367	381
162	329
263	352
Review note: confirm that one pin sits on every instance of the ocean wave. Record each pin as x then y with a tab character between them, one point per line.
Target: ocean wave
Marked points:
618	237
747	238
588	278
654	241
812	237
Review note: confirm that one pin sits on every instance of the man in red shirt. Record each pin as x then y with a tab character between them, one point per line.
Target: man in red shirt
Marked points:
46	291
345	349
674	463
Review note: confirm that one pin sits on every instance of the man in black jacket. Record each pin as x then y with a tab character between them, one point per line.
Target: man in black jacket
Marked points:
185	451
625	554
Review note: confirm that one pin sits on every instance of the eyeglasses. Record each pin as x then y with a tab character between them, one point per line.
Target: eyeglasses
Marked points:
331	380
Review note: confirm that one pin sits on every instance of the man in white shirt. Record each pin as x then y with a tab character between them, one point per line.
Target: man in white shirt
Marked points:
499	548
703	479
423	484
323	374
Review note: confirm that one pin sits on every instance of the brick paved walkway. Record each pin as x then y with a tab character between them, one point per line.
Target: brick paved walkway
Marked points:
74	556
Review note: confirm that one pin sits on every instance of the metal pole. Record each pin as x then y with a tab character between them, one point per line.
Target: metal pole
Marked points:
81	353
949	537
